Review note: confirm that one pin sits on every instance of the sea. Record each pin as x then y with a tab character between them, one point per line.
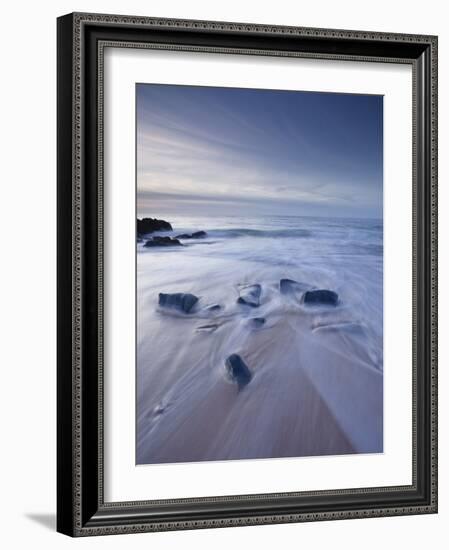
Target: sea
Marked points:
325	362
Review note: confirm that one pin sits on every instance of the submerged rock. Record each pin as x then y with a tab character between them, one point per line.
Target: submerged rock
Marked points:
321	297
159	409
196	235
346	327
237	370
162	241
178	300
250	295
214	307
208	328
288	286
149	225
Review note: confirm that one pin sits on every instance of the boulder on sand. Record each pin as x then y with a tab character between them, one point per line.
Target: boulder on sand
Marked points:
178	300
162	241
250	295
321	297
238	371
149	225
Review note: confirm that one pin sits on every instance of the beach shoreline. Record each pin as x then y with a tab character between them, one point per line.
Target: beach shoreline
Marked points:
316	383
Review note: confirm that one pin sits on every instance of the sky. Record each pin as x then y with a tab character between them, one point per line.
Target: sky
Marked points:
205	151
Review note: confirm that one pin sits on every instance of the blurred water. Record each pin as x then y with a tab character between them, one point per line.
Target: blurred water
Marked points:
339	351
345	255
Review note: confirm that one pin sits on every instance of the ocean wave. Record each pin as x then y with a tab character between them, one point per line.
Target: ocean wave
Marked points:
266	233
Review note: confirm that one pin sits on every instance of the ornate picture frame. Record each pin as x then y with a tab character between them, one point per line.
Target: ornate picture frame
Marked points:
81	507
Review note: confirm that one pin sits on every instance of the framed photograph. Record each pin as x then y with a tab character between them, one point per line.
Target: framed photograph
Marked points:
247	279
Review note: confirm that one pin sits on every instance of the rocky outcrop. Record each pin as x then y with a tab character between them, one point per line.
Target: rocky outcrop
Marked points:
149	225
196	235
250	295
162	241
237	370
321	297
179	300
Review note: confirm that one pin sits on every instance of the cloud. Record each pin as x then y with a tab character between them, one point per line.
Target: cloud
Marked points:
200	149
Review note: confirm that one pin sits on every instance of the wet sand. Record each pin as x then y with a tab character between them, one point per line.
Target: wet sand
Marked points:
315	390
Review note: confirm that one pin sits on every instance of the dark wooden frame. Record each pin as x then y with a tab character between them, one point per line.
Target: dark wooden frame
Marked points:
81	509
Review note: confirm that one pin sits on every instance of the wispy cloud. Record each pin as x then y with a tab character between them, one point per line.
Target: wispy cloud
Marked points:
215	148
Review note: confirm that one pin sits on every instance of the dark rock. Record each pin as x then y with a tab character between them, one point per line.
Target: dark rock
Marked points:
258	321
178	300
288	286
149	225
237	370
321	297
250	295
196	235
162	241
166	240
214	307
